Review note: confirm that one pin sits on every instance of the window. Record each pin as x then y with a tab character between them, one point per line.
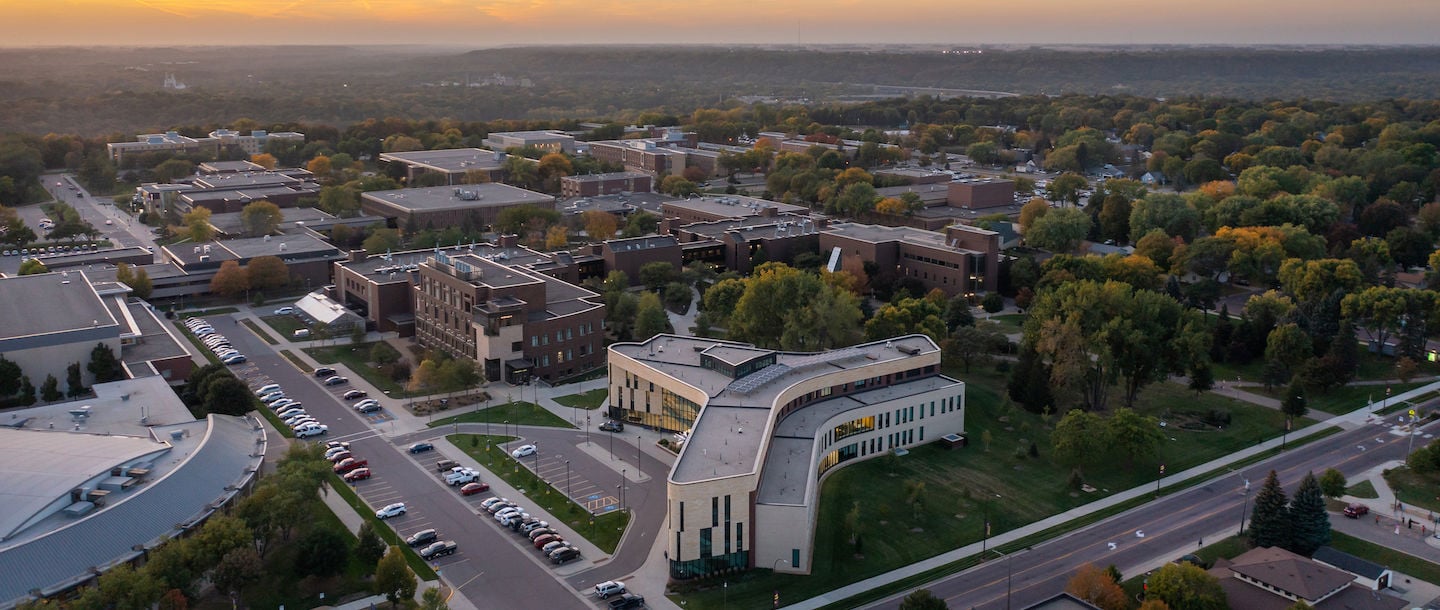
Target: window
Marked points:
516	346
705	543
545	339
739	536
795	558
682	516
569	333
715	512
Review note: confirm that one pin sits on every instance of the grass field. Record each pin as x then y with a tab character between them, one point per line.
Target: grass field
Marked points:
520	413
1363	489
590	399
357	357
295	360
956	490
195	342
1413	488
285	325
1371	367
259	332
603	531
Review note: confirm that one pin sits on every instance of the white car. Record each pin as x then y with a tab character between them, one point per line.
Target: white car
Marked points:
365	403
312	430
608	588
284	311
391	510
334	451
304	422
266	389
523	451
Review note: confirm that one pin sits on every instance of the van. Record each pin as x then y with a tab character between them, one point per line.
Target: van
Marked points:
444	465
303	333
266	389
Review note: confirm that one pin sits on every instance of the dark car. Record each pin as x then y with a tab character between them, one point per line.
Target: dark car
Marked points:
613	426
353	394
324	371
628	600
565	555
422	537
421	447
438	549
444	465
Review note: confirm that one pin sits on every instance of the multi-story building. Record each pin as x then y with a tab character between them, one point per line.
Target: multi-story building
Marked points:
457	164
962	260
228	191
613	183
973	193
723	207
647	156
307	257
172	141
444	206
515	322
548	141
763	429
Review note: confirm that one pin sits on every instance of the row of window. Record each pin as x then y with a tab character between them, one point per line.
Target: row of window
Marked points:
899	438
565	334
932	261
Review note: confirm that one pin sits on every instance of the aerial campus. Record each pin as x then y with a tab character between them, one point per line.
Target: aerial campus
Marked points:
909	348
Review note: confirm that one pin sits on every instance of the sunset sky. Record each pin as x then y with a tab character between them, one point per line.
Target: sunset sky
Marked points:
479	23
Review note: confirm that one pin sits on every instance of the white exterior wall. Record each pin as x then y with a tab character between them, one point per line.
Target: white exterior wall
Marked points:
54	360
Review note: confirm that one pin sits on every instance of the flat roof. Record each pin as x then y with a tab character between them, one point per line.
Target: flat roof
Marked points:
512	257
753	227
449	159
648	242
297	245
532	134
735	206
606	176
244	180
56	302
880	234
435	198
649	202
88	257
154	341
580	205
229	222
230	166
746	403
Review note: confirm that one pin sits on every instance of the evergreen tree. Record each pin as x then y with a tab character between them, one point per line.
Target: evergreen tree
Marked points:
1309	523
27	391
76	386
9	377
1223	334
1030	381
1294	406
50	390
1202	379
1270	519
104	365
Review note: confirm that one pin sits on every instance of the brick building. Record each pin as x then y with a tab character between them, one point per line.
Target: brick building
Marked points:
981	193
962	260
594	185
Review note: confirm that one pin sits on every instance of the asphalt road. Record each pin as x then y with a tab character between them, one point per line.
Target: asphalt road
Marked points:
490	568
1169	527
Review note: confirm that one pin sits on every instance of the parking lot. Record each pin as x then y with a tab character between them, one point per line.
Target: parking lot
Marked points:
592	496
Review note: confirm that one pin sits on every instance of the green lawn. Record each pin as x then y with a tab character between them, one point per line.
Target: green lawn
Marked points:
518	412
357	357
285	325
259	332
1413	488
603	531
590	399
1351	397
962	486
1363	489
295	360
1372	366
1405	563
1010	322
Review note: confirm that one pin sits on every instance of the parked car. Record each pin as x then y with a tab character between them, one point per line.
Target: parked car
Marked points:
470	489
266	389
312	430
334	451
421	447
608	588
554	545
359	474
324	371
564	555
342	444
533	525
365	403
422	537
523	451
462	476
546	539
235	359
444	465
491	502
391	510
349	464
627	601
284	311
438	549
613	426
302	333
1355	511
353	394
337	380
538	532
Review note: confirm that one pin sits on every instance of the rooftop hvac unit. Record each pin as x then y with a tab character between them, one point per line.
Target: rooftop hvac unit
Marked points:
204	258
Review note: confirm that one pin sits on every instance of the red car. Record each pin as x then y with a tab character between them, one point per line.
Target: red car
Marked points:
471	489
359	474
349	464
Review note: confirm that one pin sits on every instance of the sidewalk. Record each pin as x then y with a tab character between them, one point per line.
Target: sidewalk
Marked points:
1350	420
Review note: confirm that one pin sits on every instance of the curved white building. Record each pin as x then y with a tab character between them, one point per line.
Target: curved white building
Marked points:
766	427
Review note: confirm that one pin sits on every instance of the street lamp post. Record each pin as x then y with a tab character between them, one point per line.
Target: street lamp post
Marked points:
612	446
622	489
1009	575
505	429
637	455
1411	445
1244	503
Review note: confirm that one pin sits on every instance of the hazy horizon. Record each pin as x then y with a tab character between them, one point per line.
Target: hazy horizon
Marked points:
488	23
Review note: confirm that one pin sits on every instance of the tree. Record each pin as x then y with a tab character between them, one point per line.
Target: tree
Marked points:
383	354
393	577
265	160
1270	519
342	201
957	312
1129	435
972	344
1332	482
324	551
1059	230
173	169
1168	212
1033	210
1309	523
1294	406
677	186
197	224
1186	586
267	272
856	199
227	395
1078	438
33	267
50	390
136	278
599	225
27	391
237	569
9	377
126	588
1405	369
650	318
992	303
104	365
369	548
75	386
426	377
230	281
923	599
261	218
433	599
556	237
1067	187
678	296
656	275
1094	585
320	166
1287	346
382	240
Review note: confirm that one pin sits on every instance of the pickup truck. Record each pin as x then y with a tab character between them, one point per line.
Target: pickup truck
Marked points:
461	477
627	600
